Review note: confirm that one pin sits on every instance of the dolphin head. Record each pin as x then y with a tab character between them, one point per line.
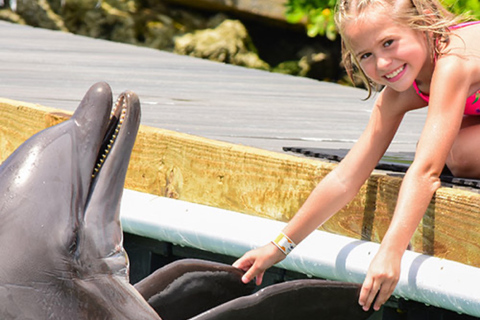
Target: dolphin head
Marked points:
62	251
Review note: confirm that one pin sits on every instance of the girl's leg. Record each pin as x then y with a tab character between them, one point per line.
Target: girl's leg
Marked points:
464	158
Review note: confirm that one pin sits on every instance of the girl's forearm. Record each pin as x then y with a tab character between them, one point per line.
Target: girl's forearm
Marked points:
415	194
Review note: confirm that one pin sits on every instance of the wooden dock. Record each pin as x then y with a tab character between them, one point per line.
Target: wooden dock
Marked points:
214	133
209	99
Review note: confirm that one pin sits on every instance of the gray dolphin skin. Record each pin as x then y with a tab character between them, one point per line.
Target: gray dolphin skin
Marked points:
61	241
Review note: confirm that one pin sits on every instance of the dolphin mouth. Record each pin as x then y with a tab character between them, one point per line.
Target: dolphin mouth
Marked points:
117	117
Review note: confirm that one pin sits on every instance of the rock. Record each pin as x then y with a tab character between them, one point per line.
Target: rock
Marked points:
8	15
38	13
228	43
159	35
110	20
288	67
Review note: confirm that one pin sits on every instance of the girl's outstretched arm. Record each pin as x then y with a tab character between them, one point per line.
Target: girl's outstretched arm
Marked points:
337	189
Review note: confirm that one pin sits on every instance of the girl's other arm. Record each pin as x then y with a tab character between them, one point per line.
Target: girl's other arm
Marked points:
420	182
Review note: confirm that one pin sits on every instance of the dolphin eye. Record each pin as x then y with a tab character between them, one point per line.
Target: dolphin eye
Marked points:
72	248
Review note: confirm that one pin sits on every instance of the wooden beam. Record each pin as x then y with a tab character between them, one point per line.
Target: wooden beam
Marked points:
268	184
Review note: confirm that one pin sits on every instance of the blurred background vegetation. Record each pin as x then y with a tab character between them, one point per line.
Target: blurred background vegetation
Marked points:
318	14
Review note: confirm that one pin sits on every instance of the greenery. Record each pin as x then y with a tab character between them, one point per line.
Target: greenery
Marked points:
471	7
318	14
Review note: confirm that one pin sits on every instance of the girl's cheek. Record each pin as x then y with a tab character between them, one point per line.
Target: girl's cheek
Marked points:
367	68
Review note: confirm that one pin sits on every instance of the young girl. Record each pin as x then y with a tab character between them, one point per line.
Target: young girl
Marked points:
421	55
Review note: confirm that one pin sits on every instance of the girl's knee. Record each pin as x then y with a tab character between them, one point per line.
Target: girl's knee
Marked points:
464	166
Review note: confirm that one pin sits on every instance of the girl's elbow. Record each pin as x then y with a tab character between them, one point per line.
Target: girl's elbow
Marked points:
429	174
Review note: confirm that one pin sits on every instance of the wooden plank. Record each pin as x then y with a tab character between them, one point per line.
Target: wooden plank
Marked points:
20	120
269	184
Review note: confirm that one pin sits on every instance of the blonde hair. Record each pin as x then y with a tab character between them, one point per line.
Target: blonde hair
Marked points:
428	16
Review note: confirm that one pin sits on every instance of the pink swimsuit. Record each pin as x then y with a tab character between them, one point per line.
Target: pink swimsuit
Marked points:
472	106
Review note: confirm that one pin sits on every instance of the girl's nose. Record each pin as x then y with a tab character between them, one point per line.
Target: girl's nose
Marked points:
383	62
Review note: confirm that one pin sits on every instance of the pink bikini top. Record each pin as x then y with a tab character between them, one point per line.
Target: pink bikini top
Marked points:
472	106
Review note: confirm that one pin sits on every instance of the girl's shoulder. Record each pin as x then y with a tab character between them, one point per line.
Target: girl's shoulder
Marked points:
460	61
464	38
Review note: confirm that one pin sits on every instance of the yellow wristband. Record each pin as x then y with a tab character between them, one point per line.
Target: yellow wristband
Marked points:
284	243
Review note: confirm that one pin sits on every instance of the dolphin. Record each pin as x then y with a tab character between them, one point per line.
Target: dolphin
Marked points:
61	240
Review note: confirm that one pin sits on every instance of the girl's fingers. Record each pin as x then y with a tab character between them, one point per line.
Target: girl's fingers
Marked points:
249	275
256	261
368	292
253	273
385	293
364	292
259	278
242	264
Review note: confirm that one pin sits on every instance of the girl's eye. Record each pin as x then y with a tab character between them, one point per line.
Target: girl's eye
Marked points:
387	43
365	56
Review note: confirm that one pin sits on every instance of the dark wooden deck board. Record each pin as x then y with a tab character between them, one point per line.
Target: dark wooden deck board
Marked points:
189	95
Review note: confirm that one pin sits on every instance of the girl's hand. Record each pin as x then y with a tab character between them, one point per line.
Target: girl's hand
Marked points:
256	261
382	278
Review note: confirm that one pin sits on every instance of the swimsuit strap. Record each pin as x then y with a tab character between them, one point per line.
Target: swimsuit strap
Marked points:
420	93
464	24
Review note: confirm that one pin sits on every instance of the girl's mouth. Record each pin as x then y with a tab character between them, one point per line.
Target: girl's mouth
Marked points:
392	75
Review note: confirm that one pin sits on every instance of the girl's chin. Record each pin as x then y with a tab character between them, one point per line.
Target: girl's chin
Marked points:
400	87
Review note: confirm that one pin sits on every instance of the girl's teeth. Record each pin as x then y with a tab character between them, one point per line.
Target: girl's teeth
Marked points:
394	73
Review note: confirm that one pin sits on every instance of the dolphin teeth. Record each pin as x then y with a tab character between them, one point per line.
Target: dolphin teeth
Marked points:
120	103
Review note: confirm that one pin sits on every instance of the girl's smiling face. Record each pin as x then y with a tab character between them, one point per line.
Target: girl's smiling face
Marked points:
388	52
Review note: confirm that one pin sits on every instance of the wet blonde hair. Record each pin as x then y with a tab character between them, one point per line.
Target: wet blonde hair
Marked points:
428	16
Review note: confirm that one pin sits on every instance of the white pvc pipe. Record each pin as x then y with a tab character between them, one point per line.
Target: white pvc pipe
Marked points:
433	281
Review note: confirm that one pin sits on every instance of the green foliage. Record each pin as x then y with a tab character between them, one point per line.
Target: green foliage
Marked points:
318	14
469	7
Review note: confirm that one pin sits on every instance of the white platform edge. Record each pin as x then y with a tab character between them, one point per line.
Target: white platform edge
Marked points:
433	281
